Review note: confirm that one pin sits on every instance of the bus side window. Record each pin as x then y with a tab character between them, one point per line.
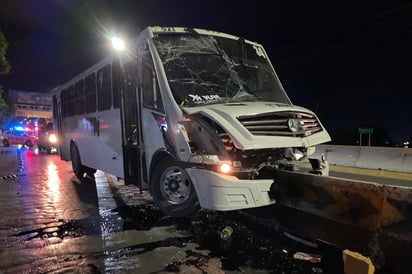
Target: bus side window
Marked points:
151	91
63	99
79	97
90	89
71	100
104	88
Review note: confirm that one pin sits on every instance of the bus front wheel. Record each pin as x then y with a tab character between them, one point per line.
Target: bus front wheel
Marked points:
172	189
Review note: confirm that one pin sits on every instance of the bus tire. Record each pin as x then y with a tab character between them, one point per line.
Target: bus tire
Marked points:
172	189
78	169
6	142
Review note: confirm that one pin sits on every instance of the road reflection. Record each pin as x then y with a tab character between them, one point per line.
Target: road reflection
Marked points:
53	181
61	223
50	220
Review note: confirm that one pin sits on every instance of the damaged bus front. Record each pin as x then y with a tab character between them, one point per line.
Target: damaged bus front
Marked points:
228	126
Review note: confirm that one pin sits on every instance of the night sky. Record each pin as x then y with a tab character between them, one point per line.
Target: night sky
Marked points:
349	61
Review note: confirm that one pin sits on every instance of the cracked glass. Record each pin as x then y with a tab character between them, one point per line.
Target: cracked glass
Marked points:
204	69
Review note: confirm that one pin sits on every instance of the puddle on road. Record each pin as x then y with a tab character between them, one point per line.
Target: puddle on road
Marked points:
62	229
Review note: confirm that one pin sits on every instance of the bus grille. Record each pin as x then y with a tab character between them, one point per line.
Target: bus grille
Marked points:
289	124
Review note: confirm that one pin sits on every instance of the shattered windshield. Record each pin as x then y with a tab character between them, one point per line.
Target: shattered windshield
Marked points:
208	70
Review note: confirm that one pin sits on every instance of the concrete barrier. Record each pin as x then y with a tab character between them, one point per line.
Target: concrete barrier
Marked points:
384	158
366	217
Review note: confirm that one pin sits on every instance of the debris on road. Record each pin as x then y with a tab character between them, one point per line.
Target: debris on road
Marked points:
313	258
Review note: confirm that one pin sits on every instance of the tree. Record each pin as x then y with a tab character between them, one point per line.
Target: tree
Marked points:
5	109
4	64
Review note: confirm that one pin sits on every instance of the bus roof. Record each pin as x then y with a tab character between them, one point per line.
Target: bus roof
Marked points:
147	33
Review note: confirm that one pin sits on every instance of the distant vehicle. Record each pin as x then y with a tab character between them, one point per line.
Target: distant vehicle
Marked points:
16	121
47	139
18	136
197	117
29	125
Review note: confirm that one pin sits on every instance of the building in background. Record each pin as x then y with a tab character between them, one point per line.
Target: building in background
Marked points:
31	104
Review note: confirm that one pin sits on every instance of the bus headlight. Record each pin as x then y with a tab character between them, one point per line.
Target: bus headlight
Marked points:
225	168
53	138
212	162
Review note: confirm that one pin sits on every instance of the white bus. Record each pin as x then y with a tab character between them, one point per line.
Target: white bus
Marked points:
197	117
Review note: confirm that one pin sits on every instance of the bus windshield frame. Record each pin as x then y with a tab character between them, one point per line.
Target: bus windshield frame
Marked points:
206	69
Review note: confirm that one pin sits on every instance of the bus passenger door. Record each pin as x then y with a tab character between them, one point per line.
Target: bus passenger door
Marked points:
131	125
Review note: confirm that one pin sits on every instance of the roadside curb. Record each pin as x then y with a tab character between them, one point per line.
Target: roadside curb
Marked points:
20	165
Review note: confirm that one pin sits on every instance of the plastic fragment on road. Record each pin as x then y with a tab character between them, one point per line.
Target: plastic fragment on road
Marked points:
313	258
356	263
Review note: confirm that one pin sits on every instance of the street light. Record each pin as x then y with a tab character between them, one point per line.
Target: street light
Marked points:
118	44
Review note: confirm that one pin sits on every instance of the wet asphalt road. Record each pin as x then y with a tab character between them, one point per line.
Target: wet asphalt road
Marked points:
53	223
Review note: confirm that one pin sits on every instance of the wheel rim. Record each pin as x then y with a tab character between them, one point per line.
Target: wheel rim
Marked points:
175	185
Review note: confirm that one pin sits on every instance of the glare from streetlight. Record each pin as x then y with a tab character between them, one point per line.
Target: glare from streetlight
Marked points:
118	44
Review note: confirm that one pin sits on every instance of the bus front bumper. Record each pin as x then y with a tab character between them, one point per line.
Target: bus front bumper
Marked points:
224	192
